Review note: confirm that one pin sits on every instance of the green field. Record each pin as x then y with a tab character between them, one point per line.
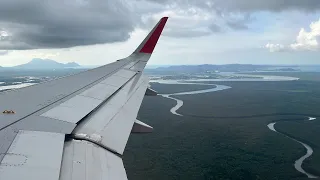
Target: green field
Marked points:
224	135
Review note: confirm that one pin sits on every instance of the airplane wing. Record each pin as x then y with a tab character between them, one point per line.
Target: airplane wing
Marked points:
75	127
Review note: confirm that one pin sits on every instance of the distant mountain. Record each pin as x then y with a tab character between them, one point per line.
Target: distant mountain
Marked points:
46	64
72	64
213	68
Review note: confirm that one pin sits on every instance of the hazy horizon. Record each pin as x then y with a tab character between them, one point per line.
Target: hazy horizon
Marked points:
167	65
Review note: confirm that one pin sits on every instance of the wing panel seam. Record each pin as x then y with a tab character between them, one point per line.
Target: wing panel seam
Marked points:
104	101
75	137
88	85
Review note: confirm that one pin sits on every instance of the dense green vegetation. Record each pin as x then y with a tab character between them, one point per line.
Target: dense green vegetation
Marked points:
307	132
224	135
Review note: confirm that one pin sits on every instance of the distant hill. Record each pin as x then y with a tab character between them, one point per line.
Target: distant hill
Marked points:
156	66
212	67
46	64
287	69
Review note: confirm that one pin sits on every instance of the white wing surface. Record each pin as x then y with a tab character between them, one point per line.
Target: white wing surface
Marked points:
76	127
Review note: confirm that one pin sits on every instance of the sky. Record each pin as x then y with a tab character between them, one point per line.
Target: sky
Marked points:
97	32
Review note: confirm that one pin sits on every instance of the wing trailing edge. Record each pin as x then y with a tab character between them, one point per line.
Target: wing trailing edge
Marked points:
151	92
141	127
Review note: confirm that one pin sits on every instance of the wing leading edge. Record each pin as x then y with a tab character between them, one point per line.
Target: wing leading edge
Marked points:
89	116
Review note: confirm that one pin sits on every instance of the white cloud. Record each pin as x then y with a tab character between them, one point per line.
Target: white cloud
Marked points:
3	34
275	47
308	40
305	41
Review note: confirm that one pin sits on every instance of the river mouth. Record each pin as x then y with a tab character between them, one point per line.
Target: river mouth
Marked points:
298	163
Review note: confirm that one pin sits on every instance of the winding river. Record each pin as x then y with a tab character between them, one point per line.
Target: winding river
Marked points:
271	126
298	163
180	102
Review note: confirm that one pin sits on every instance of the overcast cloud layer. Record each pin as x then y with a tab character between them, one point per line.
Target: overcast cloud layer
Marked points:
29	24
248	5
34	24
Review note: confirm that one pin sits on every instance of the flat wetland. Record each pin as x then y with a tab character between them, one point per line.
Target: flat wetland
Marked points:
224	134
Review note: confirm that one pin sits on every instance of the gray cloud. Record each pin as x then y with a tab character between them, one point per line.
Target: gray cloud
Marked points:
267	5
215	28
246	5
239	22
237	14
186	33
36	24
237	25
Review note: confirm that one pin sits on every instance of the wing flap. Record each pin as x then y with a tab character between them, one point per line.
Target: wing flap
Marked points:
33	155
84	160
141	127
113	121
6	138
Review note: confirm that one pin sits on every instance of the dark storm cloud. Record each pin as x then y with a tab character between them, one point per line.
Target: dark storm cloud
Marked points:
32	24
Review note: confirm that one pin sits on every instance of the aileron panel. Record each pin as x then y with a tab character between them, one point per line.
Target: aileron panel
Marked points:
83	160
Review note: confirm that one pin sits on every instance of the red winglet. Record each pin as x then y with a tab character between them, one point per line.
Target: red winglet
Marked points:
149	45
